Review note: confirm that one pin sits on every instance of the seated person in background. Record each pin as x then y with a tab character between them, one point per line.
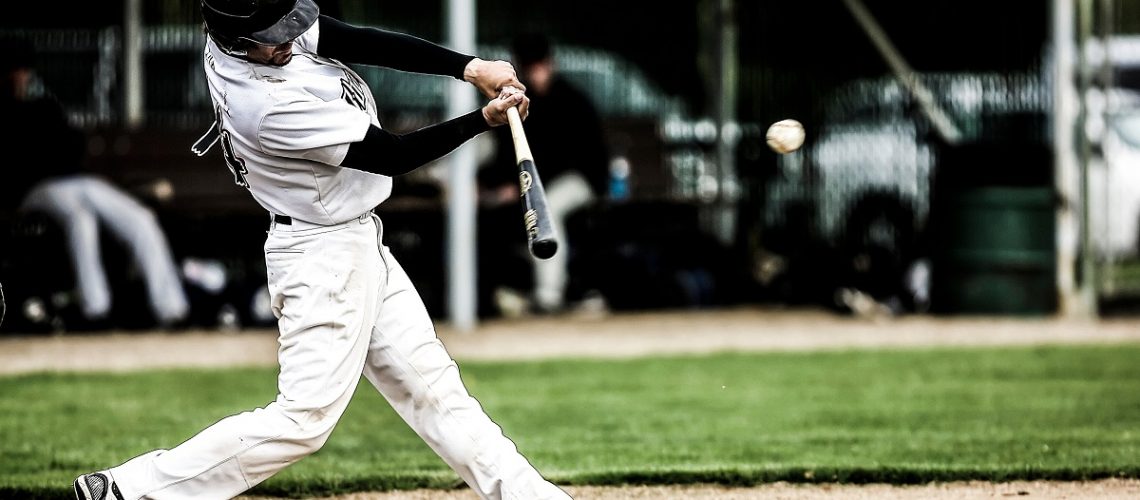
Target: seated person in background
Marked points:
44	155
565	134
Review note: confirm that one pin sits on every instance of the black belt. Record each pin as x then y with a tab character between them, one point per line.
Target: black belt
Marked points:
283	219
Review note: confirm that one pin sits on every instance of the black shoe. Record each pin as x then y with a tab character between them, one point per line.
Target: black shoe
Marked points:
96	486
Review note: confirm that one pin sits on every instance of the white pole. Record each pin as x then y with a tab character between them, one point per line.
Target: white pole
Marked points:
461	206
1067	170
133	108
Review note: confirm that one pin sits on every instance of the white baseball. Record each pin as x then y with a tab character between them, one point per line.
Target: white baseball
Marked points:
785	136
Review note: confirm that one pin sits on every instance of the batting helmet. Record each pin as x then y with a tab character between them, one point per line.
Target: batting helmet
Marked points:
233	23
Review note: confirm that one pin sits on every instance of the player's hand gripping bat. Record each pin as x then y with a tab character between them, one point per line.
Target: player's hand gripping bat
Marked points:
536	217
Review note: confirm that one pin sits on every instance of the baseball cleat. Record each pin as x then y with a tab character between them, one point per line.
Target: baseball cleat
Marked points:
96	486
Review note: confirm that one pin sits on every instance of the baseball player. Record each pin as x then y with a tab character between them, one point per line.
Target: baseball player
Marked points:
82	204
299	130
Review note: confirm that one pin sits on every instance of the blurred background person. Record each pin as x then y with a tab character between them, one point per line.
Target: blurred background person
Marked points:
566	137
45	156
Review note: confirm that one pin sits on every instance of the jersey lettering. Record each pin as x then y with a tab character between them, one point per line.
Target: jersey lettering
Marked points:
236	164
351	92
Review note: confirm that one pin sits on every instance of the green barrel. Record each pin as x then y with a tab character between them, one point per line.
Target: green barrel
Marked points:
996	253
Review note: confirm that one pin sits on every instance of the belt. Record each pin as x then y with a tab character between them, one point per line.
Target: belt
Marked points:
298	225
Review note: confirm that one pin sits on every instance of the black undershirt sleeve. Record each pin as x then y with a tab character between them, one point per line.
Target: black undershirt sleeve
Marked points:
376	47
382	152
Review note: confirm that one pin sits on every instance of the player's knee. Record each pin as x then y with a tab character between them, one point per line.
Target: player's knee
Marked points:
310	431
145	217
312	443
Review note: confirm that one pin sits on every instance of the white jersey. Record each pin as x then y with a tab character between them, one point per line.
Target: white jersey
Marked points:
285	129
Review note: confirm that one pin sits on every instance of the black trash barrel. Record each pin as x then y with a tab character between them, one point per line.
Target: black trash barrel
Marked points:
994	251
999	252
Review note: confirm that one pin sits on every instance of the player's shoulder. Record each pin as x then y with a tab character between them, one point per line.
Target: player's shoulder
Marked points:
258	87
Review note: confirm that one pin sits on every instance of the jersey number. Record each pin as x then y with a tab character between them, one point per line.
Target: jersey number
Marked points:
237	165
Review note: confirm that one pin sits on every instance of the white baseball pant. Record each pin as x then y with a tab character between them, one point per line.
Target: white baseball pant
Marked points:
565	194
344	307
79	203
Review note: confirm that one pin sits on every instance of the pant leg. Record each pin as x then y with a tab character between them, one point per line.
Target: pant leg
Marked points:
136	226
63	201
567	193
324	288
411	368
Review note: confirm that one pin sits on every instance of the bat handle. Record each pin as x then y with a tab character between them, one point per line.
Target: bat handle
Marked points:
522	147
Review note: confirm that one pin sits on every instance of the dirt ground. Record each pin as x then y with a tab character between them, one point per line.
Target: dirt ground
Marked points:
628	335
1104	489
593	336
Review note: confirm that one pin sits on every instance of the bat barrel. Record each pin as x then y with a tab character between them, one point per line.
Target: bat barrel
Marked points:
536	216
544	249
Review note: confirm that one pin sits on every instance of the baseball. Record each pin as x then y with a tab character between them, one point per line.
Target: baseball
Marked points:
785	136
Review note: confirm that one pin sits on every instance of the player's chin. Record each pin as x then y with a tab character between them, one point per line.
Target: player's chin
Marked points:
281	59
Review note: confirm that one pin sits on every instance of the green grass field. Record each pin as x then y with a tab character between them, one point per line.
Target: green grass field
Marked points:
908	416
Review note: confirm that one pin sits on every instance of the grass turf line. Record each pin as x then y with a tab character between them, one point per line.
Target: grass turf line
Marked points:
902	417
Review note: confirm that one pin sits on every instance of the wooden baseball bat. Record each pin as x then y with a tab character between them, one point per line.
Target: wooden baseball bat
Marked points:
536	217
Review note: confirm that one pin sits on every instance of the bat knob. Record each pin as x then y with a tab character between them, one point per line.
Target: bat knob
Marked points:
543	249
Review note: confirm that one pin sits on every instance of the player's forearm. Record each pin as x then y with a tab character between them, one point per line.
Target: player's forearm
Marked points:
382	152
377	47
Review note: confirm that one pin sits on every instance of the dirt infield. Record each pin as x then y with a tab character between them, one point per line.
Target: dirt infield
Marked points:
1105	489
628	335
605	336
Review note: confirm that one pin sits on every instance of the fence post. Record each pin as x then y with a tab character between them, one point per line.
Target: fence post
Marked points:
133	102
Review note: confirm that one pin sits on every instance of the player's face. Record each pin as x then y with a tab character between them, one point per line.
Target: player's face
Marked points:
20	80
537	76
275	55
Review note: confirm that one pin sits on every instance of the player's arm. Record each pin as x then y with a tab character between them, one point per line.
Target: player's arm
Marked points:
377	47
382	152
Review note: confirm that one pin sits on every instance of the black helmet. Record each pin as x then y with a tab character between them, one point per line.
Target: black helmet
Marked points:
266	22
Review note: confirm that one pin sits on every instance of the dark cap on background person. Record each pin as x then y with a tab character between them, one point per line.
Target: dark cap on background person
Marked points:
529	48
18	53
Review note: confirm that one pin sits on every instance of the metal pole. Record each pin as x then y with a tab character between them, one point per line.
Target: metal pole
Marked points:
904	73
1066	167
1086	286
728	192
133	103
1106	270
461	206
